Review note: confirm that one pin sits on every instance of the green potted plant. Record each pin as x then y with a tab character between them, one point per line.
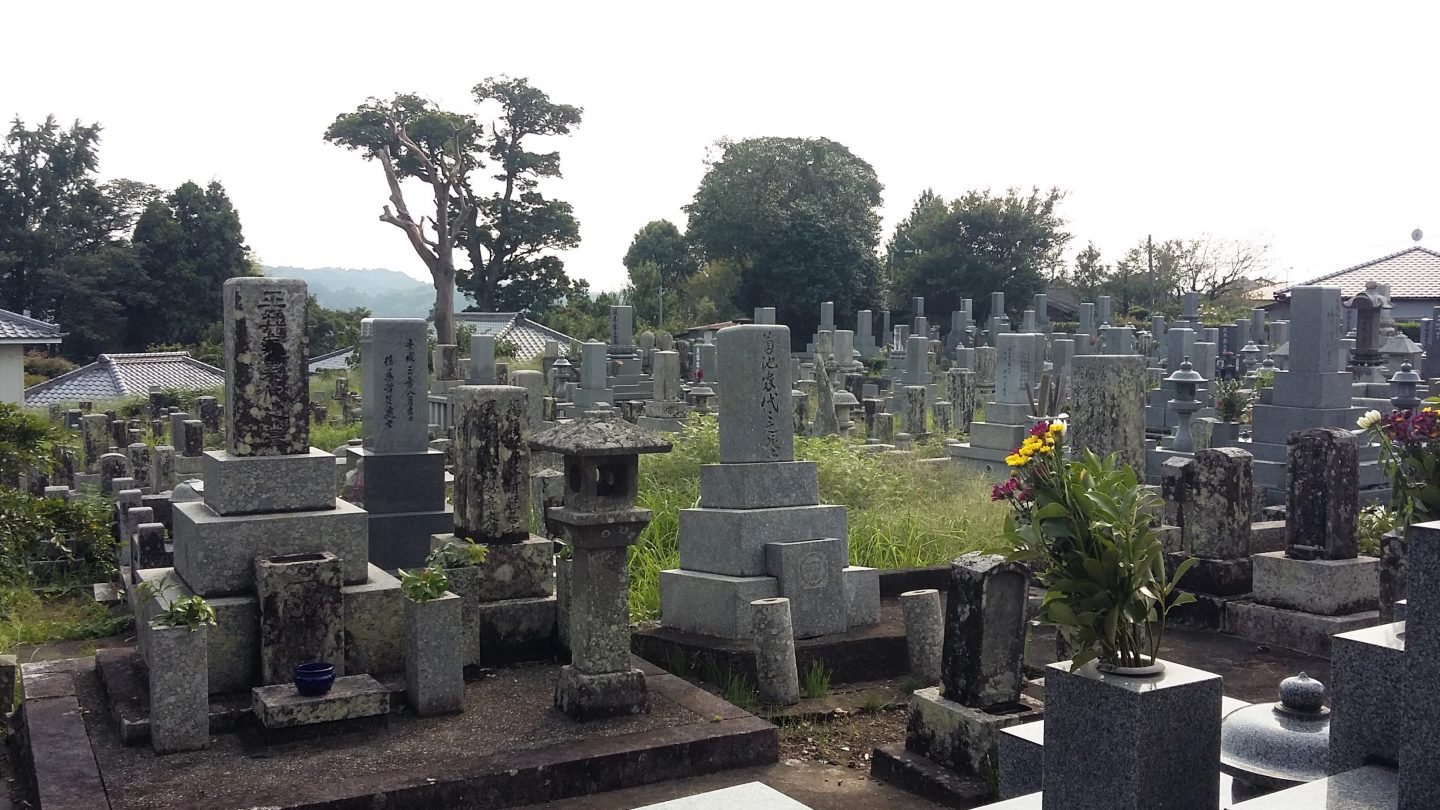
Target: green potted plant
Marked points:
1232	406
179	664
1085	527
434	665
461	559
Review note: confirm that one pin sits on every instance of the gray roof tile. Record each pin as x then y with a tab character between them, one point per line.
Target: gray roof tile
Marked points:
115	376
1410	273
15	327
529	336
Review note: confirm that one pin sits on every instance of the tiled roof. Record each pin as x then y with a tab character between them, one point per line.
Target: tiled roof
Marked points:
115	376
338	360
1410	273
529	337
17	328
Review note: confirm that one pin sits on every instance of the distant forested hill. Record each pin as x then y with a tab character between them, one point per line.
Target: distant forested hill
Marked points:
386	293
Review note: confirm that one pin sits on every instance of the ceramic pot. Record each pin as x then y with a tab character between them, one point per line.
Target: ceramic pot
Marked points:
314	678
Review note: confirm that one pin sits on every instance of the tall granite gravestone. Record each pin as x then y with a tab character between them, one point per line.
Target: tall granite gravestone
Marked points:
1107	413
865	335
667	410
1312	392
512	595
1318	586
269	501
764	315
760	531
1007	416
403	479
627	380
482	360
957	724
594	386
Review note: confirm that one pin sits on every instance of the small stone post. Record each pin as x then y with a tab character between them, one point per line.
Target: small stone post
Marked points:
924	633
776	674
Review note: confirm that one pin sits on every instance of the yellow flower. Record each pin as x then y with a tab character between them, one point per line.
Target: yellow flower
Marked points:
1016	460
1057	428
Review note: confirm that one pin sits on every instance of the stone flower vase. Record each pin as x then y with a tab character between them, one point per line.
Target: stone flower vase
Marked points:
1128	742
1225	434
179	664
1394	570
434	655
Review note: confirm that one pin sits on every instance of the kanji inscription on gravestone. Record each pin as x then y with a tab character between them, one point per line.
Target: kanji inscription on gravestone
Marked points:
267	384
392	353
755	407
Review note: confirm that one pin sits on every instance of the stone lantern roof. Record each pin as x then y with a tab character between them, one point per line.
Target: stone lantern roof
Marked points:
598	433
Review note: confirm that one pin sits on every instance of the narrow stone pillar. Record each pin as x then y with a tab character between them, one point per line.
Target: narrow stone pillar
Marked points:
482	360
162	469
985	631
149	546
924	633
193	439
179	688
492	464
95	435
434	668
912	416
777	677
1322	515
138	456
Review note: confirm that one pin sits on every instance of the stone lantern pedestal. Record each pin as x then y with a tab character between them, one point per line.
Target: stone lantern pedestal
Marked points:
598	522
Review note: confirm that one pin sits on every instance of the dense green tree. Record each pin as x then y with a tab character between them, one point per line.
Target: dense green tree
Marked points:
975	245
331	329
188	245
662	245
581	315
51	207
514	230
798	220
1089	272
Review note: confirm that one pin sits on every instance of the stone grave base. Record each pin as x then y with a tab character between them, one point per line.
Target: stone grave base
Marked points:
1327	587
1292	629
1366	674
1207	612
958	737
909	771
510	747
869	652
609	694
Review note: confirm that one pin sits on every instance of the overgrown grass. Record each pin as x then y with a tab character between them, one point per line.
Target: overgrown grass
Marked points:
26	618
816	681
903	513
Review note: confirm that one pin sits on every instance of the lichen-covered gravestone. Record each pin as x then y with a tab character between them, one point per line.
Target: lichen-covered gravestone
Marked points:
267	382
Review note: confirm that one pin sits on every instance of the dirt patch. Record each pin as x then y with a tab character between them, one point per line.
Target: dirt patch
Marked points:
843	740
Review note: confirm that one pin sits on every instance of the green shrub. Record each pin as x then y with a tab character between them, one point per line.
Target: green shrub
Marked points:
26	440
50	541
44	366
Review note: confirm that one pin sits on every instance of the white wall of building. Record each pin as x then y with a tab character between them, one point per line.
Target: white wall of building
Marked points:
12	374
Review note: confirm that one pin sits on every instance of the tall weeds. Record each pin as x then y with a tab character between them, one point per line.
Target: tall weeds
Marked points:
902	513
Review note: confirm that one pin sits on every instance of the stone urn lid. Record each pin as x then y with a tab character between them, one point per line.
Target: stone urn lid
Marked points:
843	397
1279	745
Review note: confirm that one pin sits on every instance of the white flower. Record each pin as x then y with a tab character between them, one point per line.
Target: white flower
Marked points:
1369	420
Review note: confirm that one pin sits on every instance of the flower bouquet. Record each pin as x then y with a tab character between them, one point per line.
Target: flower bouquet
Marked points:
1410	454
1086	528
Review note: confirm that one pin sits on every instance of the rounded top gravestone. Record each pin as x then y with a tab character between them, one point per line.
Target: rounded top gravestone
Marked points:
755	408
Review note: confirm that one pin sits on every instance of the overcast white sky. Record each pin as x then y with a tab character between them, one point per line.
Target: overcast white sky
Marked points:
1310	125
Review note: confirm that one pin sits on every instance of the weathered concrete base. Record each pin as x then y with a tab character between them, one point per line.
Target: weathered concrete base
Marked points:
471	760
245	485
215	554
513	570
517	630
1327	587
910	771
591	697
1207	612
959	737
1291	629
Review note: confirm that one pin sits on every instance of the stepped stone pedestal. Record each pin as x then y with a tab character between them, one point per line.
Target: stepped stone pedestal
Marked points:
760	531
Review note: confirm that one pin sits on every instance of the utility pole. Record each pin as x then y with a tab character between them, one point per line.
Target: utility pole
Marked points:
1150	261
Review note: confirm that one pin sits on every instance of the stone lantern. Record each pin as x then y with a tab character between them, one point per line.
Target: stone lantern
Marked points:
1186	380
1403	388
845	405
1249	358
1369	307
702	396
559	379
599	521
